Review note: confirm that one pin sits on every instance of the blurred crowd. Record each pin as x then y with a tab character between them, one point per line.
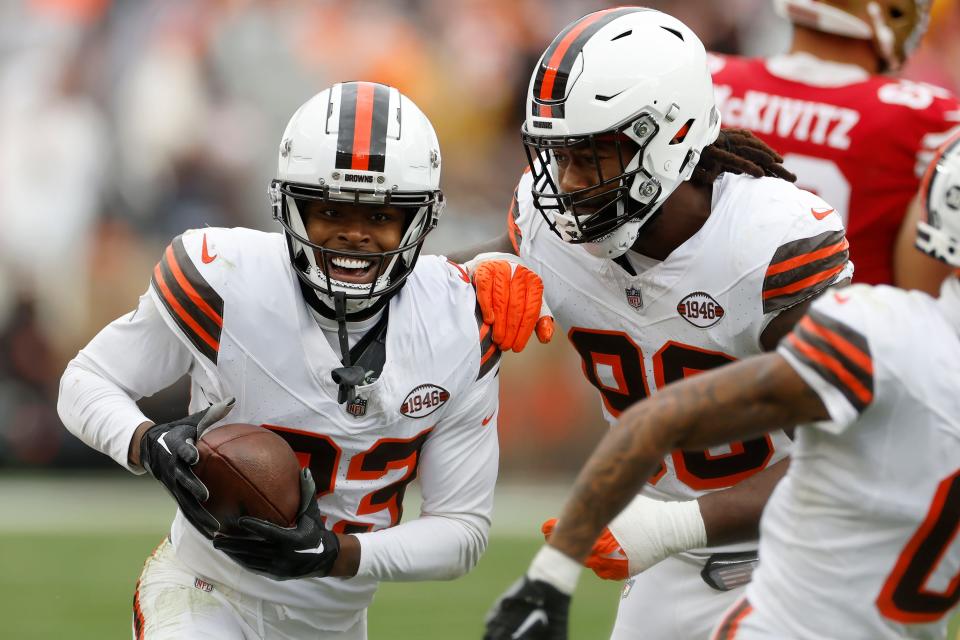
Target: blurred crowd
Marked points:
125	122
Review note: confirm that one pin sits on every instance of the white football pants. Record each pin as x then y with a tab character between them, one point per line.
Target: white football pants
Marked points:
173	603
670	601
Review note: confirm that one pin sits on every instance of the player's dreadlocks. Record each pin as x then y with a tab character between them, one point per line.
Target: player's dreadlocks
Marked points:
739	151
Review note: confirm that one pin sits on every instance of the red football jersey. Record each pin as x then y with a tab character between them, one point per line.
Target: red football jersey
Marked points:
859	141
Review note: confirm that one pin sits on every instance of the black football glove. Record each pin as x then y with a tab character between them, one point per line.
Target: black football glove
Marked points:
306	550
529	610
169	450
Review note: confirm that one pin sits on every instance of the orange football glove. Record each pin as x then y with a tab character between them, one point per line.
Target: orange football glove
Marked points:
511	300
606	559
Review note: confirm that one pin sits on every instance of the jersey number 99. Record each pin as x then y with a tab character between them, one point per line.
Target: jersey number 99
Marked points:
613	363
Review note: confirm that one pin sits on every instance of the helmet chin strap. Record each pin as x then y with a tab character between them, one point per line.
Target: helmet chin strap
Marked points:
348	376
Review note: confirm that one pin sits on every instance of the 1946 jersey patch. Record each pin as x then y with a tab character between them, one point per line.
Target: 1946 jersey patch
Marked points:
700	310
424	400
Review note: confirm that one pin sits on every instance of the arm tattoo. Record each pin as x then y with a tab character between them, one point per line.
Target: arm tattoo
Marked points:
731	403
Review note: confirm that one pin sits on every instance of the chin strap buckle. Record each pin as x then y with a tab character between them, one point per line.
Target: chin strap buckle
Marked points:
348	378
363	364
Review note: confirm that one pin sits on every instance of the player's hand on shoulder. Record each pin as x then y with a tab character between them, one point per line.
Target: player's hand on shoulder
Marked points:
529	610
306	550
169	450
510	296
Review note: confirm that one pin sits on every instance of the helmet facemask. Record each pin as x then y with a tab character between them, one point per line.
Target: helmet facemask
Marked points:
631	81
311	261
606	217
367	145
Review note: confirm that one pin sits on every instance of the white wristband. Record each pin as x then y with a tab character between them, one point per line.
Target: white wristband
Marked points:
471	265
650	530
555	568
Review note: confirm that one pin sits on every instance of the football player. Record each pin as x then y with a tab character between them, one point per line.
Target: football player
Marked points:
373	364
666	247
859	540
853	134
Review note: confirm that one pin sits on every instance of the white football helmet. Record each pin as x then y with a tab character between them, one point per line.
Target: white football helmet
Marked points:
362	143
895	27
938	232
620	74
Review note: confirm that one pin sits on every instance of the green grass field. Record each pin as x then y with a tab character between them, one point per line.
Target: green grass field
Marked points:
81	586
71	550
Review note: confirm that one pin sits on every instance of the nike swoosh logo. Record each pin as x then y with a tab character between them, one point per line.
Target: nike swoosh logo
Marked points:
487	420
820	215
538	616
317	550
204	254
163	442
841	299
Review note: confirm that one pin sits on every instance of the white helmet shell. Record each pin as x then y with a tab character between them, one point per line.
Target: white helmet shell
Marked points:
630	73
363	143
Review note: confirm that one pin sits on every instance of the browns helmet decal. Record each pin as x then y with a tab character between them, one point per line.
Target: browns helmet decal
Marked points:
557	61
362	135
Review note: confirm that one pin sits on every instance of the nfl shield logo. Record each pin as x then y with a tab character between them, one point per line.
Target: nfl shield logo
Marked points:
634	299
358	407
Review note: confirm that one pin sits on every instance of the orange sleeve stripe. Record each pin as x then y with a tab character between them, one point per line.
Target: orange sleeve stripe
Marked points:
807	258
484	330
513	231
180	311
799	285
854	354
489	354
188	288
864	394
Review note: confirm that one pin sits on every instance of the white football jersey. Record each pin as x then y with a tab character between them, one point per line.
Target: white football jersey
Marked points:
765	247
860	539
232	297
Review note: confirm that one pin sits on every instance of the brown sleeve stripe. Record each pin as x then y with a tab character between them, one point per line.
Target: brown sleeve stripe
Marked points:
513	231
731	621
806	283
198	292
804	246
838	354
849	343
807	258
193	304
803	268
489	353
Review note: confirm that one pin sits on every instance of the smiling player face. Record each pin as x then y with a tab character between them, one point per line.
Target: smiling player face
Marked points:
356	229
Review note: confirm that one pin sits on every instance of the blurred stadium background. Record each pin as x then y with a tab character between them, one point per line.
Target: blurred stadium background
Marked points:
124	122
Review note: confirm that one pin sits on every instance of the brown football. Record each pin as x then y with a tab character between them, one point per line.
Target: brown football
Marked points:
249	471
